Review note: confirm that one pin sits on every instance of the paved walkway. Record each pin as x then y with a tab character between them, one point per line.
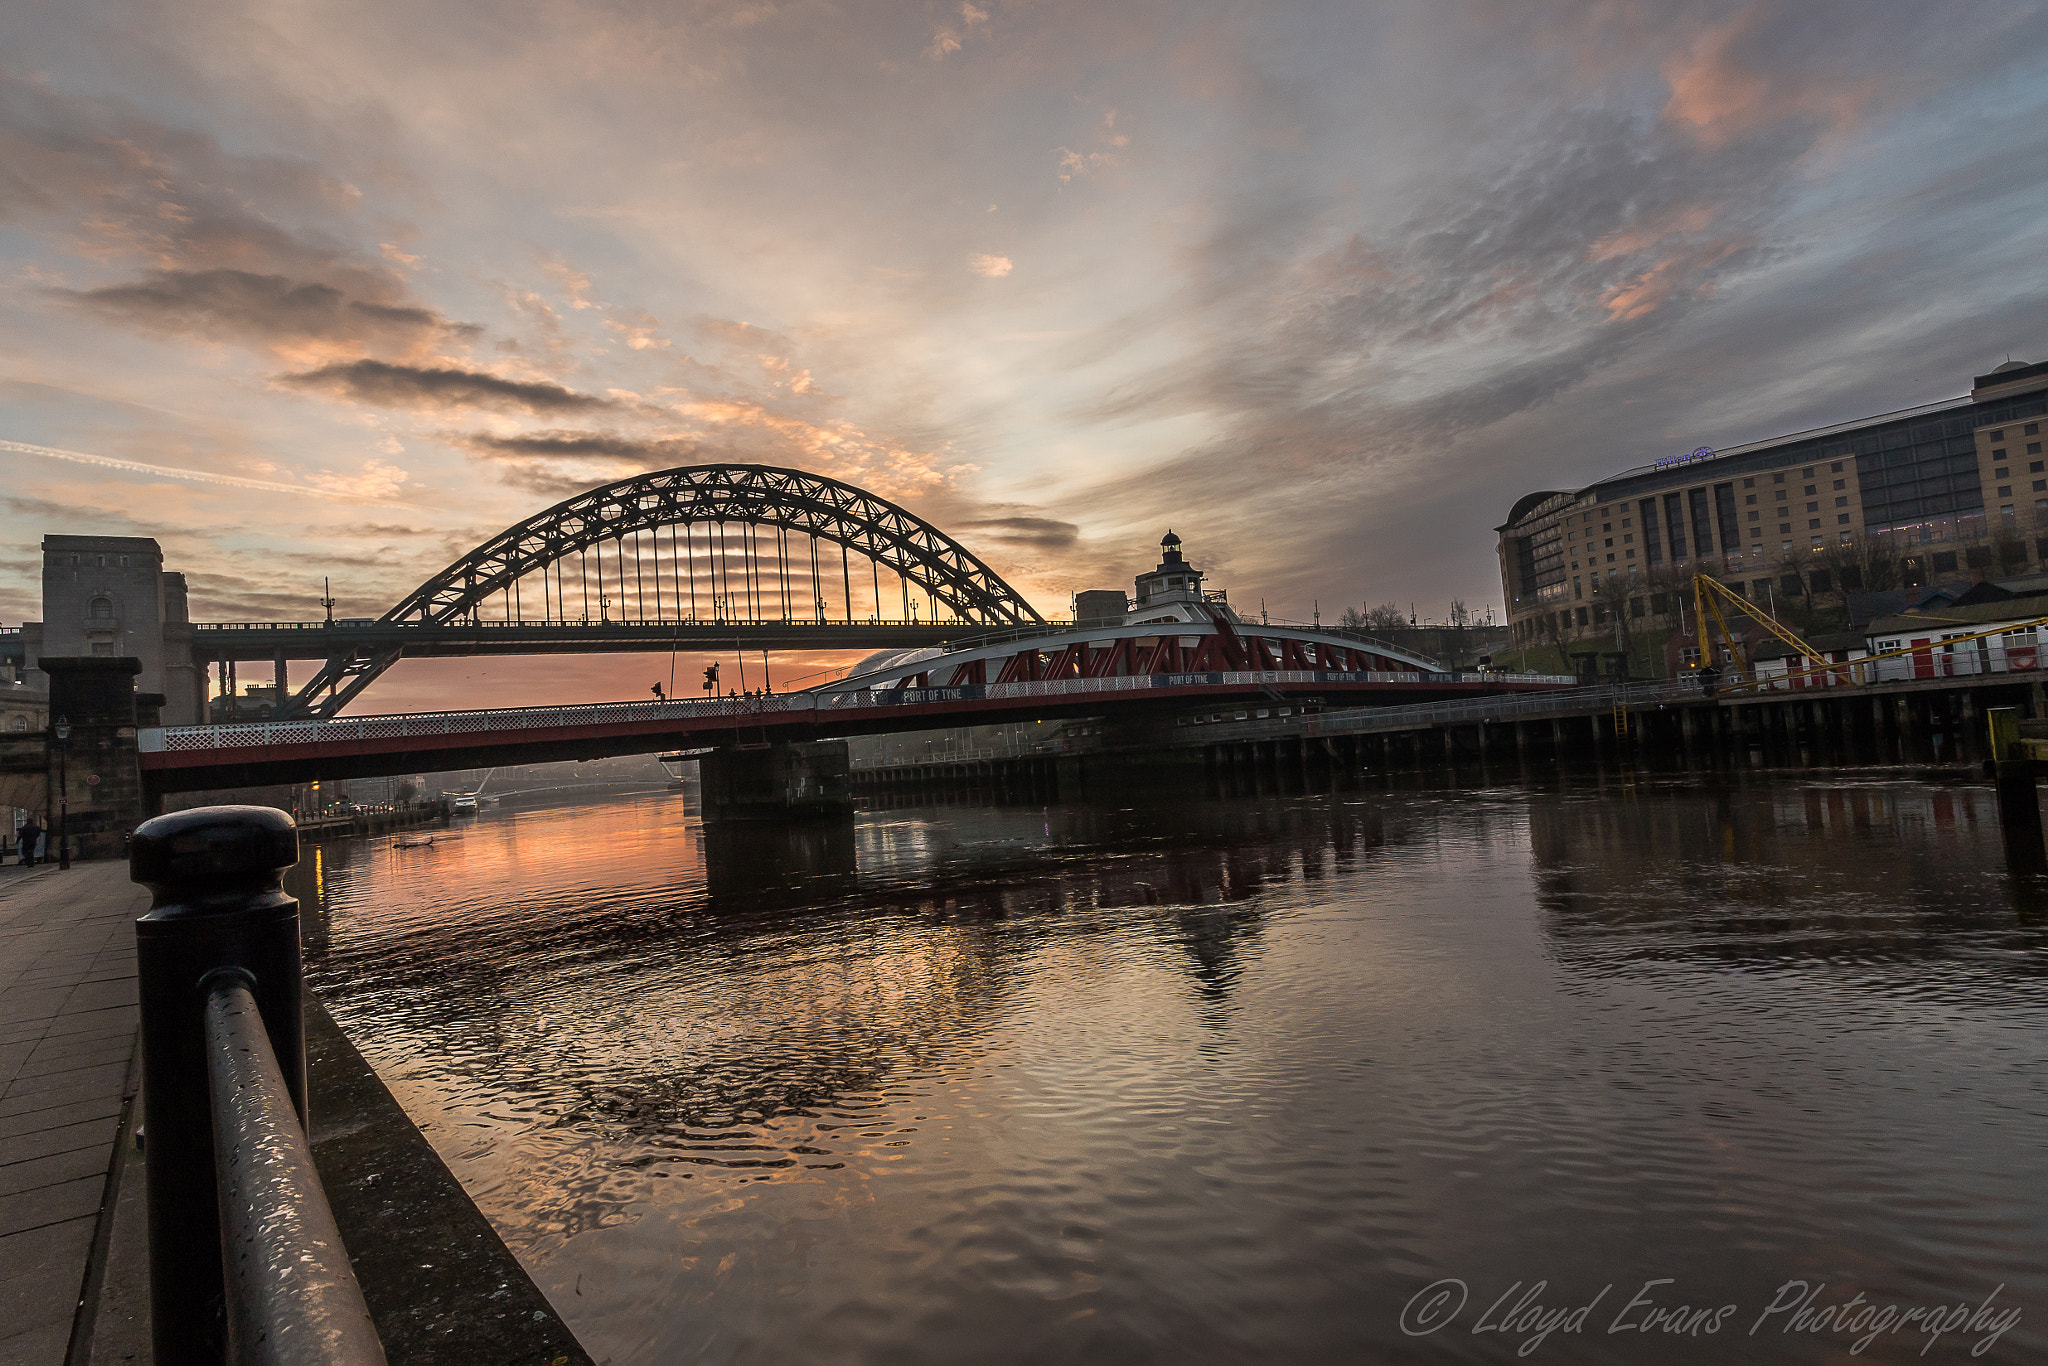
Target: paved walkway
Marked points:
67	1041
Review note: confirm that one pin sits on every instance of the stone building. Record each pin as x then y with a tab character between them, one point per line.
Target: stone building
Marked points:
110	597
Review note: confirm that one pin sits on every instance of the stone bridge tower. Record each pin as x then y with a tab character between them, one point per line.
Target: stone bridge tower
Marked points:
109	597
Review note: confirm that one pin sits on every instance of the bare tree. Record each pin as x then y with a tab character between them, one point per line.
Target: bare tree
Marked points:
1862	564
1461	615
1384	617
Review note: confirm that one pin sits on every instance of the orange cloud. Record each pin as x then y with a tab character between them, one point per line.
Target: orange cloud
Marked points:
1720	96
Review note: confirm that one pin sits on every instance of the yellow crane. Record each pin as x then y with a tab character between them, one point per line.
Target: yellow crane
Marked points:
1708	593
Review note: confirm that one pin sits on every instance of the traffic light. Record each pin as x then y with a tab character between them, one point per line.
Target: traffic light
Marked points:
711	679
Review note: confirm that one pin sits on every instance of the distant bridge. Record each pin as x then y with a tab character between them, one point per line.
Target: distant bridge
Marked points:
189	758
703	555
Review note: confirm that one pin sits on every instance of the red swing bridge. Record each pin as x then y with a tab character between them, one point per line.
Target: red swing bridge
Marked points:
1175	655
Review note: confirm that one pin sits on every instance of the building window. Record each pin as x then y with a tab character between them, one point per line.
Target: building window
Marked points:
102	609
1835	468
1777	479
1749	484
1750	500
1660	603
1998	435
1784	527
1841	483
1841	502
1779	495
1610	541
1754	516
1628	554
1944	562
1813	523
1610	559
2033	429
1813	507
1577	591
2034	467
1811	490
1582	616
103	647
2002	472
2005	490
1628	537
2033	448
1842	517
1806	473
1816	543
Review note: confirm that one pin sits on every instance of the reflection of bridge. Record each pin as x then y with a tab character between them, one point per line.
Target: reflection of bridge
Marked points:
187	758
681	558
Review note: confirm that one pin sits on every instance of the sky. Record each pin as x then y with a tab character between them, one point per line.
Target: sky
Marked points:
1322	287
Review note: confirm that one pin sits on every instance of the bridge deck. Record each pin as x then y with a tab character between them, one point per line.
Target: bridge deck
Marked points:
193	757
298	640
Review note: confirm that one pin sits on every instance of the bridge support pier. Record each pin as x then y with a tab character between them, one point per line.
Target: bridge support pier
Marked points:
805	781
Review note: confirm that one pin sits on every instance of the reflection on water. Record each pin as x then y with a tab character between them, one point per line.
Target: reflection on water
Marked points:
1223	1080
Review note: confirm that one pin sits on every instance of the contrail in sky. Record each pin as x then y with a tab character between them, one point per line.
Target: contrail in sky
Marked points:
194	476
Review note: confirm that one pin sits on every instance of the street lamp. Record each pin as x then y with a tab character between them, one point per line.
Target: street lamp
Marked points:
63	732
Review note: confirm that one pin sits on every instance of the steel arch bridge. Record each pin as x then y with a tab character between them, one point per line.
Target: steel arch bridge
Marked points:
613	536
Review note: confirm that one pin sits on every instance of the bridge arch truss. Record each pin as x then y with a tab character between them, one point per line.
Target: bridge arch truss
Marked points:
604	548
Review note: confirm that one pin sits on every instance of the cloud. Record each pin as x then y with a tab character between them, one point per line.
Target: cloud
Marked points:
265	310
1043	533
119	187
948	39
376	484
570	445
424	388
994	267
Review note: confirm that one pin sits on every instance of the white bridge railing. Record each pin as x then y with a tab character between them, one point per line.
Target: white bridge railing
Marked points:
739	710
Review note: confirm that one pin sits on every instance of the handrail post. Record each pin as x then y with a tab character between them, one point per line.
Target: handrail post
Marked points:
215	875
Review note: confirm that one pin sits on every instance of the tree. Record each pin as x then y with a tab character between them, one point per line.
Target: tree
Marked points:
1460	614
407	791
1861	564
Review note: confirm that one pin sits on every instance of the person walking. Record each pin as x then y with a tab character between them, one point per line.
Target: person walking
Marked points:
31	837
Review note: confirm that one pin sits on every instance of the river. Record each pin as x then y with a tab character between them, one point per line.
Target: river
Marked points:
1394	1073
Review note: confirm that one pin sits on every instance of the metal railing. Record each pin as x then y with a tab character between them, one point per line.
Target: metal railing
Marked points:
650	623
742	710
245	1262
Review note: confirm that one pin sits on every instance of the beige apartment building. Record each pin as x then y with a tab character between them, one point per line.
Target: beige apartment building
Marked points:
1954	487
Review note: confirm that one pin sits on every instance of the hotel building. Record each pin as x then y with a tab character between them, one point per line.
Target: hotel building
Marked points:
1967	477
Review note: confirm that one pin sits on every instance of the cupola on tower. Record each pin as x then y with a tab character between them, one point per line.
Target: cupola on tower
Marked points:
1175	580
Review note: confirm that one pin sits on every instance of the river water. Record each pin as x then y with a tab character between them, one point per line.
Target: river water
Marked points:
1386	1074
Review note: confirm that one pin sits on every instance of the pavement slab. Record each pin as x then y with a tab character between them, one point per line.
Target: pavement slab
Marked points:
67	1046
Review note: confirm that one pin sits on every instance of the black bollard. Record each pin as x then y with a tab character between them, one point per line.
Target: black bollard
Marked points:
2019	800
216	878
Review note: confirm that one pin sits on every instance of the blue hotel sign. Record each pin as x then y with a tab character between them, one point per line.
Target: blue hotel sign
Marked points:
1671	461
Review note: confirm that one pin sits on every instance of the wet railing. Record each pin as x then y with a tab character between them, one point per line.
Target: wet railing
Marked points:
246	1264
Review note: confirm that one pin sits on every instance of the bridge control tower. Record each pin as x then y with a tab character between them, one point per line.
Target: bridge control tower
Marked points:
1173	591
